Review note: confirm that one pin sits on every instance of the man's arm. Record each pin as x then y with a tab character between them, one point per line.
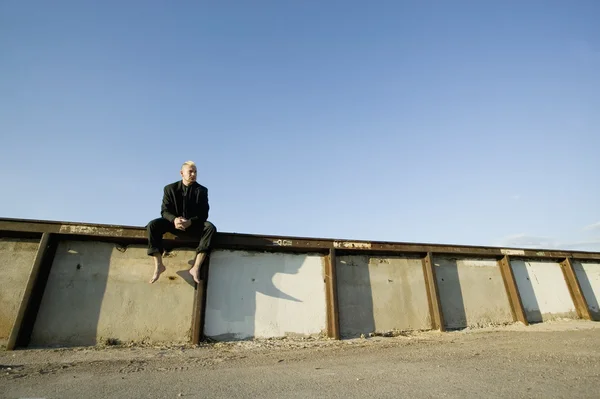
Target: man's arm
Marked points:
167	209
203	208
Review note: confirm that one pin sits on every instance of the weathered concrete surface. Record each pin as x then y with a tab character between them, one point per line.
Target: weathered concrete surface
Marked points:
261	294
16	261
472	292
379	294
544	292
97	291
588	274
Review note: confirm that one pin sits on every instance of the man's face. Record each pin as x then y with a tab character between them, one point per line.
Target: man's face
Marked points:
188	174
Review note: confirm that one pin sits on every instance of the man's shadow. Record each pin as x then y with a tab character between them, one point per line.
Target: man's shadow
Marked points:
253	294
185	273
187	242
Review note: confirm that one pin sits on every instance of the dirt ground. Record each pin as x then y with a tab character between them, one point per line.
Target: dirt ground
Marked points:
551	360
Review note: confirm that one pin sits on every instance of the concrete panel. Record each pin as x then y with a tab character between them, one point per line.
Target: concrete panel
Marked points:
380	294
543	290
16	261
588	274
257	294
98	291
472	292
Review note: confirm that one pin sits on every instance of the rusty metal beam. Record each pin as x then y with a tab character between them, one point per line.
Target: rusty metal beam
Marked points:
199	306
581	305
512	291
333	318
433	294
131	234
33	293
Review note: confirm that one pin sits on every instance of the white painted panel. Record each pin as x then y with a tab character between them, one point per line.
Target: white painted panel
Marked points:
588	275
253	294
543	290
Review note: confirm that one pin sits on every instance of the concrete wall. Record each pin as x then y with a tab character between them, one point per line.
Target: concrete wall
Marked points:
543	290
16	261
260	294
588	274
379	294
472	292
96	291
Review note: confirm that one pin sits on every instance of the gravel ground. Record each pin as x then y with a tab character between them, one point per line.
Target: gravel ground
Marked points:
550	360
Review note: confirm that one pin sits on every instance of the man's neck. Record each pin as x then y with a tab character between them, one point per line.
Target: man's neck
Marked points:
188	184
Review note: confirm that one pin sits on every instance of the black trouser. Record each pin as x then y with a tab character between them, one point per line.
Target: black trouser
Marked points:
156	228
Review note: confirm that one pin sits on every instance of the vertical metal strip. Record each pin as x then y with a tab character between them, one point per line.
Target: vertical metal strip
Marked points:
199	307
34	291
333	319
581	305
512	290
433	294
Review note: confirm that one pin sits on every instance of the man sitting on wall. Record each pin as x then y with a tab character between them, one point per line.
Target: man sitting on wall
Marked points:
184	209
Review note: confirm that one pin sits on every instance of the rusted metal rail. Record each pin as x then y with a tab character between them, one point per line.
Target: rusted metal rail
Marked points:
127	235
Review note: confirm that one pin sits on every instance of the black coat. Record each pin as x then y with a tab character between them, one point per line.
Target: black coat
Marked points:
172	203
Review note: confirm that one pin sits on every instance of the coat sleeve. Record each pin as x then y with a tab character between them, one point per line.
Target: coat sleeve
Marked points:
167	210
203	208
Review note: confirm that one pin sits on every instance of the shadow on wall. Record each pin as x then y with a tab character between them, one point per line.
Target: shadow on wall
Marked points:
254	294
71	304
381	294
451	293
16	260
588	276
526	291
355	296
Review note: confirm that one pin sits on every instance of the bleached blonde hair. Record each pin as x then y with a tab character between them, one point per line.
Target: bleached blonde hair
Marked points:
188	163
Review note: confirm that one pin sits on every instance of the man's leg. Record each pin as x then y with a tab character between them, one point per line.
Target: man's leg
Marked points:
207	234
155	230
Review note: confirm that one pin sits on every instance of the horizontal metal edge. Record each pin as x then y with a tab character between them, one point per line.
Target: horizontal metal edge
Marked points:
250	241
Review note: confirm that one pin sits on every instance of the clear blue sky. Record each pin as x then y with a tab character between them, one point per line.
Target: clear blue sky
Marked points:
466	122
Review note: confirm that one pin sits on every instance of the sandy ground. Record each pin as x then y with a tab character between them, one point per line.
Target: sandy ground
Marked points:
550	360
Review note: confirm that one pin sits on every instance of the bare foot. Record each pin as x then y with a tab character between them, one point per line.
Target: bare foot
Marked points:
157	272
195	272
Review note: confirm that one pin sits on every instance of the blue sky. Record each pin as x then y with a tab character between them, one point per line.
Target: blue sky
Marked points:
463	122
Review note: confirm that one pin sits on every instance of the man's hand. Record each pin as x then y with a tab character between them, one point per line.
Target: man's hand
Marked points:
178	222
182	223
186	223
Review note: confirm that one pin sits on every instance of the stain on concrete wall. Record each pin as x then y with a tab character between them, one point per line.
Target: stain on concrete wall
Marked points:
472	292
588	274
97	291
260	294
543	289
380	294
16	261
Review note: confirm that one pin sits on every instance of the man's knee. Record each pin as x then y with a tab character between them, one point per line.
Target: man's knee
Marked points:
208	226
155	224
